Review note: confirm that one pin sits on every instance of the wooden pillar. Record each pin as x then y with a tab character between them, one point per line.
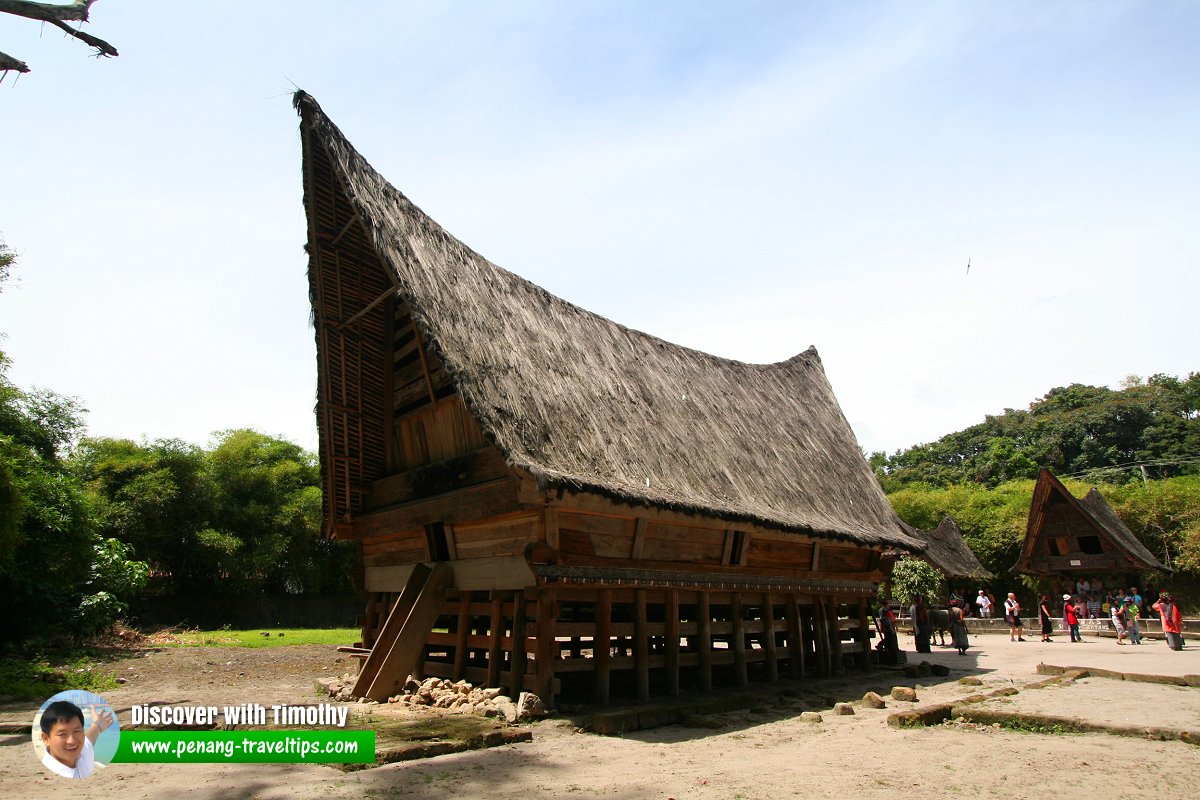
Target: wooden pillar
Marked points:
495	633
672	620
547	646
835	638
602	644
641	644
864	636
795	638
769	626
821	636
739	641
461	634
704	635
517	659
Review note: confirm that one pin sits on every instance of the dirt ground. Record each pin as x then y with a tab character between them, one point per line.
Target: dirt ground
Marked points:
765	751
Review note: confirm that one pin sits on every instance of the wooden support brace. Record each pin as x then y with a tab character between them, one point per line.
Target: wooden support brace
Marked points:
796	644
390	629
461	634
835	638
863	635
404	656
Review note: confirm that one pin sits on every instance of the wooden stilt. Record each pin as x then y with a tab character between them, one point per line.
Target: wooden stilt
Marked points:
672	619
770	644
461	635
739	641
547	647
795	638
821	637
602	644
517	657
835	638
704	637
641	645
495	633
864	636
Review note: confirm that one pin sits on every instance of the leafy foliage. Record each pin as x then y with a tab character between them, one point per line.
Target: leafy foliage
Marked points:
913	578
1073	430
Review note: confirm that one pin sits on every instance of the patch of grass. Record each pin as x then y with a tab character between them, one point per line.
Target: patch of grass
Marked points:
1034	725
262	637
41	676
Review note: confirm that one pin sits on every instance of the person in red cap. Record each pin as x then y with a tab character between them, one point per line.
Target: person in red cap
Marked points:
1071	618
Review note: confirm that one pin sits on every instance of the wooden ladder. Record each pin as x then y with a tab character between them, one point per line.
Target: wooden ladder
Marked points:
397	652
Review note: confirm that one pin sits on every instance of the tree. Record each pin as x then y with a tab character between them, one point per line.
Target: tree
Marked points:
57	15
913	578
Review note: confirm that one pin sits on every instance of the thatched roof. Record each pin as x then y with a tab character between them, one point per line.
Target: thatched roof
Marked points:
947	550
582	402
1095	512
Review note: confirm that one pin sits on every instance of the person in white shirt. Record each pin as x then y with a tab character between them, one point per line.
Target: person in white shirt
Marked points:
985	605
70	750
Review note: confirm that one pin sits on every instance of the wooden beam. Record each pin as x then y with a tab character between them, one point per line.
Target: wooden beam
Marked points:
704	640
551	525
424	363
727	555
601	644
821	636
816	557
672	620
641	645
404	655
639	538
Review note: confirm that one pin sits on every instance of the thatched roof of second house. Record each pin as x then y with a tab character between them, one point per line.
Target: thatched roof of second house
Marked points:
583	403
947	550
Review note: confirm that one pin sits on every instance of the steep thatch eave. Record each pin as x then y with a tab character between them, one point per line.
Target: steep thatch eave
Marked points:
580	401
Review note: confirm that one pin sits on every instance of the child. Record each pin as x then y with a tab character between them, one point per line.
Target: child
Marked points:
70	750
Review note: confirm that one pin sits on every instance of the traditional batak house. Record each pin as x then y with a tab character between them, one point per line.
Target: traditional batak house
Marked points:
1069	539
546	500
946	550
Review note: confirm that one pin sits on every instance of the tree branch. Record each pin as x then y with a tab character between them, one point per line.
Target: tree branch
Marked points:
58	15
48	12
7	63
103	48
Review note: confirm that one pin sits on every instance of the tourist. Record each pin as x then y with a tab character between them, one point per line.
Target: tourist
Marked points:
1012	615
1071	619
885	621
1106	606
1135	598
1044	617
1120	620
1131	619
958	628
985	605
1172	622
922	632
1093	607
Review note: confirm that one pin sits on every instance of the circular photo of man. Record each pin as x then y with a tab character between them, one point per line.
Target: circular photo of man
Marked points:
75	733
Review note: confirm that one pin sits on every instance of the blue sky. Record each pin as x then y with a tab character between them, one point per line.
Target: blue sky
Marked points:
746	179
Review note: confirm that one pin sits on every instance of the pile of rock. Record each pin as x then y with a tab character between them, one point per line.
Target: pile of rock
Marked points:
458	697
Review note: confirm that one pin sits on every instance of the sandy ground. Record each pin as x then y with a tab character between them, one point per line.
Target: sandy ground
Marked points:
766	752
